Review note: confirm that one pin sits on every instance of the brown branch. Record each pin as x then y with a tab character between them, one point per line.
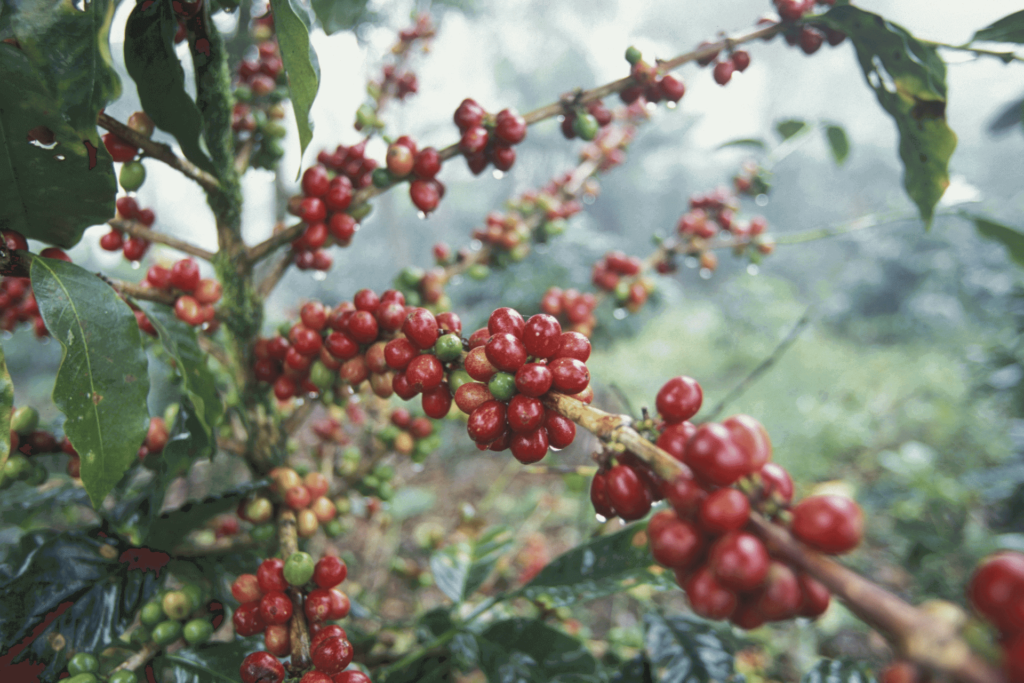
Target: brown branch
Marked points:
139	659
287	534
136	229
243	155
226	544
270	280
159	151
916	635
137	291
260	251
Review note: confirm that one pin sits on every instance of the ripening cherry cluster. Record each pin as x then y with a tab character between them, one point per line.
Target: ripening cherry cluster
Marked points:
17	302
405	161
28	440
726	571
408	435
402	83
751	180
619	274
195	295
572	307
156	438
488	139
735	61
259	76
996	592
134	248
183	613
808	36
266	607
609	147
585	121
307	496
256	115
648	84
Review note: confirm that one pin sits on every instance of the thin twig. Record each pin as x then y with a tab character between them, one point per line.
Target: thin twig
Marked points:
583	470
762	367
288	537
139	659
270	280
1005	57
137	291
260	251
136	229
159	151
243	155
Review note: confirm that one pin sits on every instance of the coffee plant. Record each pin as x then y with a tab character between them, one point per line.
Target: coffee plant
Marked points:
228	491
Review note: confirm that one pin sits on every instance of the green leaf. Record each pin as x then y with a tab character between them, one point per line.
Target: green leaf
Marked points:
530	650
210	663
292	25
603	566
102	382
1011	238
6	403
909	80
835	135
152	63
690	650
790	127
460	569
181	342
342	15
70	47
168	530
756	143
636	670
1009	29
76	161
838	671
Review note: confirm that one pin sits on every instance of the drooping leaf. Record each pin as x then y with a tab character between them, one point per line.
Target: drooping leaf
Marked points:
102	382
530	650
300	63
189	440
837	142
79	585
71	48
55	181
790	127
152	63
756	143
460	569
600	567
342	15
838	671
909	80
22	503
1011	238
180	341
209	663
1009	29
690	650
1009	117
168	530
6	403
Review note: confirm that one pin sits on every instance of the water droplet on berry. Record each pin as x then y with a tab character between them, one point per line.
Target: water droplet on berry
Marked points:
752	269
601	518
671	105
136	265
761	200
705	273
422	216
498	175
319	275
651	106
620	313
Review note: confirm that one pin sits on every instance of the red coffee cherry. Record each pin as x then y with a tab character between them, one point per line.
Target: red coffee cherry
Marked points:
542	336
810	40
752	438
507	320
781	596
437	402
120	150
832	524
270	575
351	676
599	495
510	126
318	605
305	340
503	158
671	88
471	396
569	375
420	327
185	275
277	639
674	437
469	114
506	352
708	598
187	309
426	164
679	399
425	194
574	345
399	160
741	60
473	140
714	456
275	607
994	584
390	315
316	677
776	483
814	597
284	388
487	422
261	667
529	447
424	372
627	493
332	655
525	414
533	379
739	561
900	672
675	543
246	588
724	510
561	430
362	327
340	604
247	619
315	181
723	72
683	494
325	632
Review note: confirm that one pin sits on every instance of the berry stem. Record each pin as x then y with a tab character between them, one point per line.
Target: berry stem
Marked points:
159	151
136	229
137	291
140	658
288	538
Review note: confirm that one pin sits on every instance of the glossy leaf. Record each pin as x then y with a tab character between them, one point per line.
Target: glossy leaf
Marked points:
838	143
300	63
530	650
790	127
6	403
24	502
600	567
102	383
181	342
170	528
909	80
755	143
152	63
1011	238
690	650
1009	29
70	46
74	160
210	663
838	671
342	15
636	670
460	569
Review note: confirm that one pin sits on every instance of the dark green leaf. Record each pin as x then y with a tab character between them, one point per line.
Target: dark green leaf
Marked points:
189	440
102	382
790	127
300	63
838	671
342	15
169	529
1009	29
909	80
160	79
1009	117
636	670
837	142
521	650
76	161
6	403
603	566
70	47
22	502
690	650
745	142
211	663
460	569
1011	238
180	341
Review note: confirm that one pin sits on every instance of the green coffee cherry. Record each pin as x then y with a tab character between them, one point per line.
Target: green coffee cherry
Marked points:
448	347
333	528
384	472
622	292
132	175
197	631
585	126
478	271
385	491
633	54
177	605
457	379
195	596
24	420
82	663
388	434
502	386
262	533
17	467
82	678
381	177
410	277
166	632
152	613
360	212
142	634
243	93
321	376
123	676
37	475
298	568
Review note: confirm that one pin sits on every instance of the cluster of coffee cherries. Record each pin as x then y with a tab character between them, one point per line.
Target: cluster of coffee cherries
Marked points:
648	84
514	363
751	180
155	441
84	667
17	302
195	295
609	147
307	496
28	440
405	161
134	248
735	61
133	173
572	307
408	435
258	94
326	194
182	613
618	274
488	139
345	343
396	81
808	36
585	121
996	592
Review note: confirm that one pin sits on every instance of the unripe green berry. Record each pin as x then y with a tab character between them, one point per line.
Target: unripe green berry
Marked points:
83	662
262	533
81	678
502	386
132	175
24	420
142	634
381	177
298	568
123	676
321	376
197	631
385	491
343	505
457	379
37	475
448	347
622	292
177	605
388	434
410	277
166	632
152	613
195	596
633	54
333	528
585	126
17	467
478	271
360	212
243	93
